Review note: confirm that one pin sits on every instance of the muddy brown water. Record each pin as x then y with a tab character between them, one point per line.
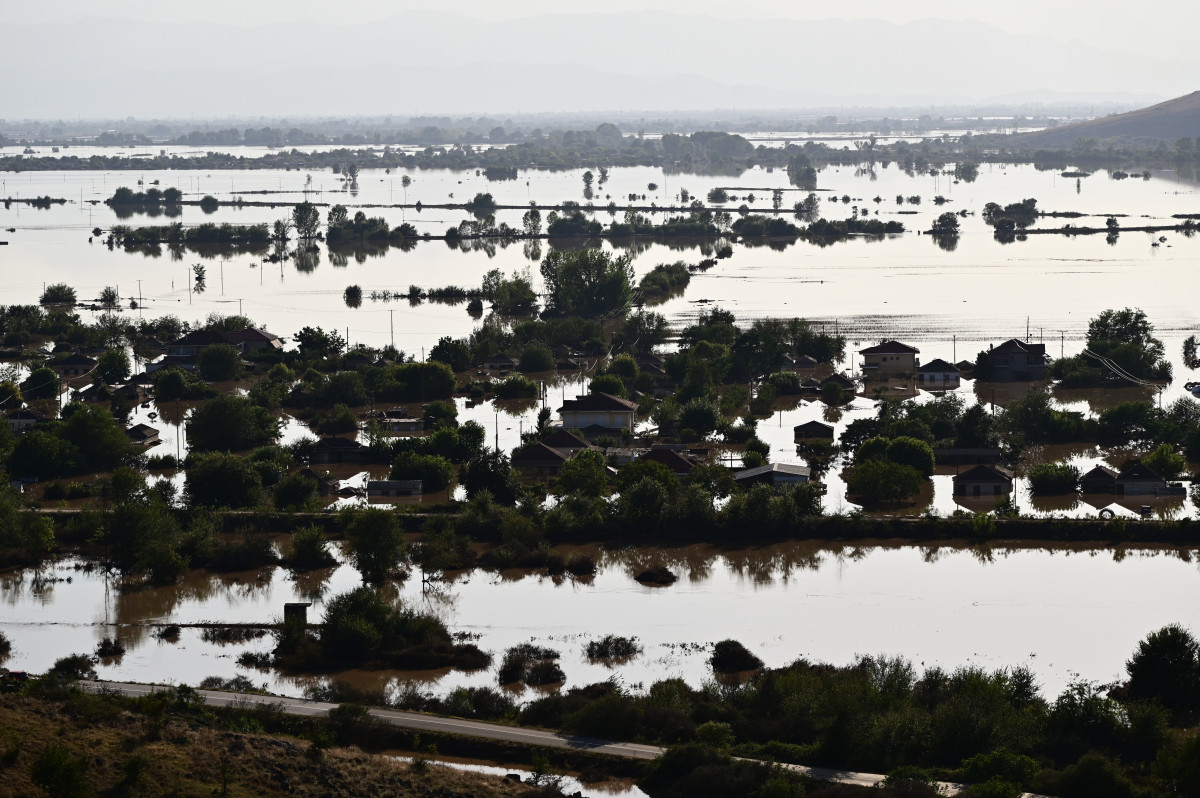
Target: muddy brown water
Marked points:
1066	612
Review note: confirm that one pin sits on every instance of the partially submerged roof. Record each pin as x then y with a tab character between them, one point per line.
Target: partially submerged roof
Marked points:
985	473
559	438
1012	345
789	469
937	364
890	348
596	401
538	453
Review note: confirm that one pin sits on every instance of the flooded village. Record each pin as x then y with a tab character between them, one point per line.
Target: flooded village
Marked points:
798	454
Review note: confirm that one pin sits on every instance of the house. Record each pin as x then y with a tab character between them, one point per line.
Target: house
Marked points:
326	484
1015	360
338	450
184	362
775	474
131	392
938	375
844	382
499	362
253	340
74	365
983	480
812	430
197	341
397	421
965	368
565	441
383	489
1136	479
143	435
801	363
23	418
357	360
669	456
602	410
889	359
539	460
95	392
977	455
1099	480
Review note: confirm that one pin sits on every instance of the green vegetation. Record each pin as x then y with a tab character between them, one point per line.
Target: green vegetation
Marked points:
1049	479
587	283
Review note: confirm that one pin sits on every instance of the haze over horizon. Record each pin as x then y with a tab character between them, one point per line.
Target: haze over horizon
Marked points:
129	57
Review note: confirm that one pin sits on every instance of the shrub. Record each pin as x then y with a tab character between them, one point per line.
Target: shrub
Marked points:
536	357
1048	479
730	656
612	647
308	549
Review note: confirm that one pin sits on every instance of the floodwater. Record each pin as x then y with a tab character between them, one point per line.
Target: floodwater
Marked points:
1067	613
950	304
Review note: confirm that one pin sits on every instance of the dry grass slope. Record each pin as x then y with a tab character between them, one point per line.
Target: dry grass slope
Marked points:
1168	120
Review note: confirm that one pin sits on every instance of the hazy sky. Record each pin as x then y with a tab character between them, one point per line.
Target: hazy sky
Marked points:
1152	27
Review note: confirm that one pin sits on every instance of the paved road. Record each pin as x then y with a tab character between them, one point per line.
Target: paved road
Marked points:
487	731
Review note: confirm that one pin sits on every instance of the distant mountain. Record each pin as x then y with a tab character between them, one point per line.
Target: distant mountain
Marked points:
440	62
1170	121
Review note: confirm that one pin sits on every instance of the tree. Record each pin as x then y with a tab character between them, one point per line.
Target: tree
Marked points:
454	352
97	437
490	471
699	414
230	423
296	492
219	479
1127	337
337	217
42	383
945	225
584	474
434	471
112	367
307	220
536	357
1165	462
376	543
912	452
219	363
314	342
532	222
352	296
588	282
1166	668
879	481
58	294
109	297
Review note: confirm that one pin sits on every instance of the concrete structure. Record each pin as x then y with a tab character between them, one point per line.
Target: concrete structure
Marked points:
338	450
938	375
677	461
983	480
383	489
23	418
74	365
775	474
143	435
565	441
1136	479
1017	361
813	430
539	460
889	359
610	413
1099	480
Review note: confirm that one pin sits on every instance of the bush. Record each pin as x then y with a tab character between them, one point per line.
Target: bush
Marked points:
536	357
516	387
612	647
730	656
1049	479
308	549
530	664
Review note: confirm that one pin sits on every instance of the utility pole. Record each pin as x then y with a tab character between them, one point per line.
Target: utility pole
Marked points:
392	326
954	348
239	307
139	296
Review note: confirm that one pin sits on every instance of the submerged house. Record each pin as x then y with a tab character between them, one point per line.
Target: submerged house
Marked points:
1016	361
143	435
1099	480
889	359
1136	479
813	430
598	411
775	474
338	450
983	480
539	460
938	375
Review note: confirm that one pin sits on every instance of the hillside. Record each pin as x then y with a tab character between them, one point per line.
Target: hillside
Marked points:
1170	120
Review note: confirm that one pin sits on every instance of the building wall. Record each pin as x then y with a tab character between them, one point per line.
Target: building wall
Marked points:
605	418
902	365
